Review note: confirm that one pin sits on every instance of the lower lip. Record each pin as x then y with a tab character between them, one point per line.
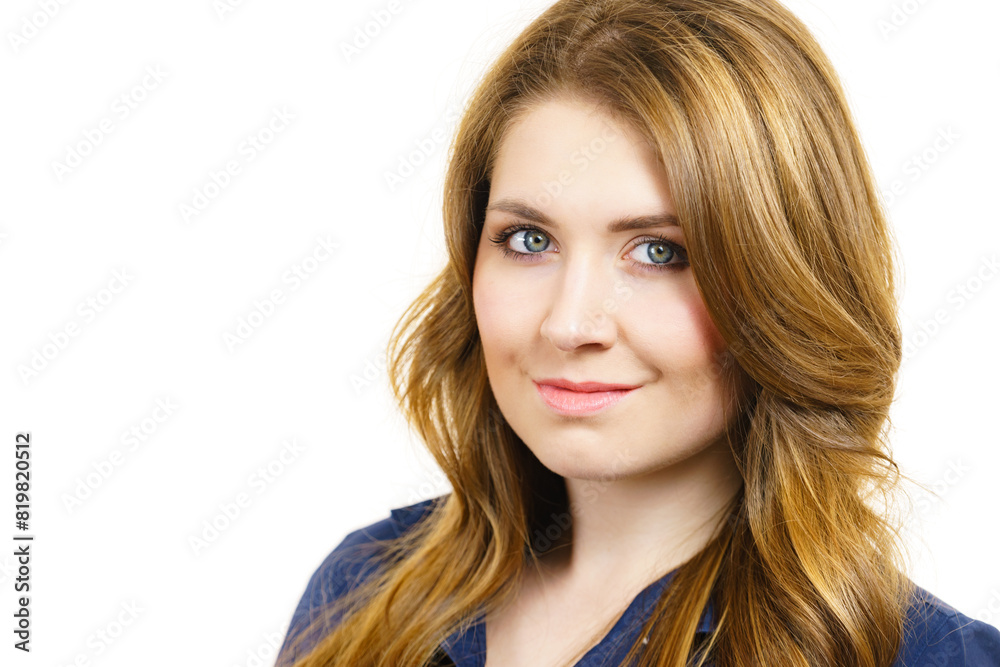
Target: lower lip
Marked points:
574	403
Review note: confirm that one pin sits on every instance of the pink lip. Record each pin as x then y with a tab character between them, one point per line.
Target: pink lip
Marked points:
581	398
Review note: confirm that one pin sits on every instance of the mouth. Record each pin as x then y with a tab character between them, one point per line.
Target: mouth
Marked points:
583	398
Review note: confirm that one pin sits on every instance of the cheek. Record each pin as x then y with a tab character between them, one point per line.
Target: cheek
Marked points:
711	342
499	310
676	335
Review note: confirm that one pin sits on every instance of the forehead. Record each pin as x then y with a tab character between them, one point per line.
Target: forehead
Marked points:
567	157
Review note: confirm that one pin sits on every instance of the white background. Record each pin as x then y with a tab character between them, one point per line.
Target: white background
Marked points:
300	374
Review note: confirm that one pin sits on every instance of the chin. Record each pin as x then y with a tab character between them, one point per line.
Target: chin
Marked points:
577	459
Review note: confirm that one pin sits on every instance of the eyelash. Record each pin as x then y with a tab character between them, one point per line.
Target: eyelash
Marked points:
500	240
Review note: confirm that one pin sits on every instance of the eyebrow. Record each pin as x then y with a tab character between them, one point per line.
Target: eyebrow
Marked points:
622	224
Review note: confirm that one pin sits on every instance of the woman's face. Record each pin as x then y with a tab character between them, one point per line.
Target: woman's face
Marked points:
573	300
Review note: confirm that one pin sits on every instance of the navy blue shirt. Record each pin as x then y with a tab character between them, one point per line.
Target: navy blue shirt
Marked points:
936	636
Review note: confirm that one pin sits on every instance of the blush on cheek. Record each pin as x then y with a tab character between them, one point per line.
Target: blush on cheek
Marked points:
688	349
490	313
702	326
500	343
503	309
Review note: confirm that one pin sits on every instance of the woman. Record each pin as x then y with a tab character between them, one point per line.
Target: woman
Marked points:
656	370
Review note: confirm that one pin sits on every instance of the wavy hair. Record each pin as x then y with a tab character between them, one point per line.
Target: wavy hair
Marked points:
793	256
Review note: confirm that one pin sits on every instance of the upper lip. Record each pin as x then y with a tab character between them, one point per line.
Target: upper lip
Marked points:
585	386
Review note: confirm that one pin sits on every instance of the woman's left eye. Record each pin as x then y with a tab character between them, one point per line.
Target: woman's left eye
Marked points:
661	254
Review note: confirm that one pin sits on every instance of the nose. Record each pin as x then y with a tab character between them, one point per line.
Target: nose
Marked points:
579	312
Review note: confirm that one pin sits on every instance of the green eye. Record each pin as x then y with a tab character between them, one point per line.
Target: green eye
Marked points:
535	242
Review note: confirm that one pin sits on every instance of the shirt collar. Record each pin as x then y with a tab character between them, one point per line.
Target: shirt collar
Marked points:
467	646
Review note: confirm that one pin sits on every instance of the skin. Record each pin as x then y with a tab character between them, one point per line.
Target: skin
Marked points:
647	476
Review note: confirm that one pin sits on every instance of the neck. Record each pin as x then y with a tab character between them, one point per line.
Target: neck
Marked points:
631	531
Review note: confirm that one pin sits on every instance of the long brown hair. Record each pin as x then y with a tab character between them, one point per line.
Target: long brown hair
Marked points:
794	259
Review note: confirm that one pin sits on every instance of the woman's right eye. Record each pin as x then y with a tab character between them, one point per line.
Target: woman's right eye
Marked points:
527	240
531	241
